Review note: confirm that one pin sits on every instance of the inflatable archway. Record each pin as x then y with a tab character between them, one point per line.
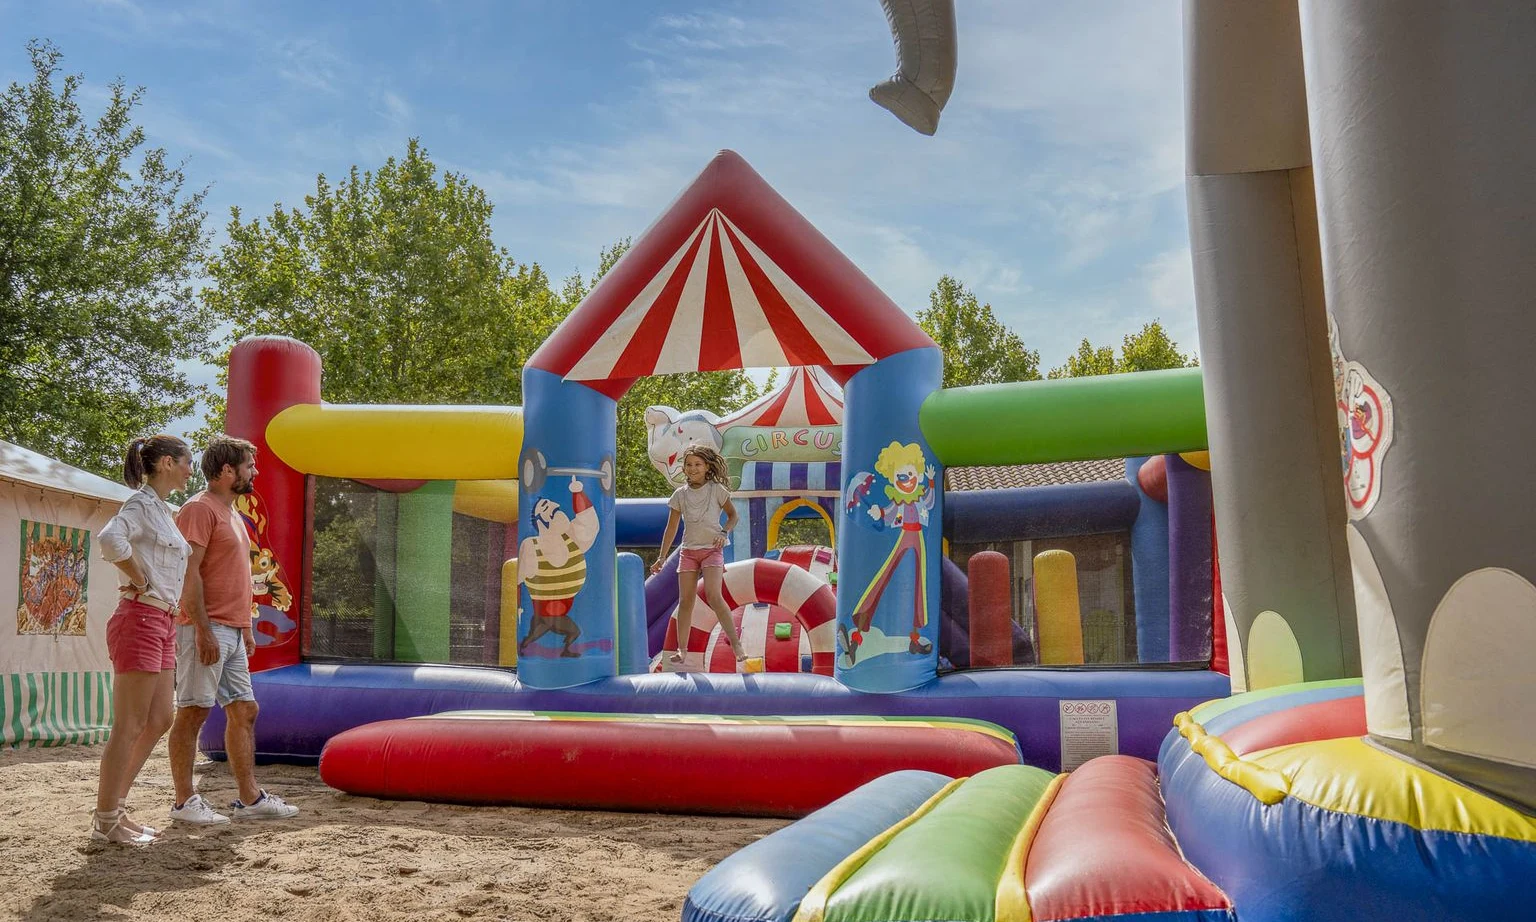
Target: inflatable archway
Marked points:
733	257
781	513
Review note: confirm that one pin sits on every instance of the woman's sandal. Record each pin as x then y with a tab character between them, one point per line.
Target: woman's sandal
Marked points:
134	825
107	826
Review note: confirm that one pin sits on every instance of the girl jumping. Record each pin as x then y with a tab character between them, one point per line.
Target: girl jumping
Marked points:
699	503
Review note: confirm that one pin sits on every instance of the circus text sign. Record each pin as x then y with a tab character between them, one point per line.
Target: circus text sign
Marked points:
784	443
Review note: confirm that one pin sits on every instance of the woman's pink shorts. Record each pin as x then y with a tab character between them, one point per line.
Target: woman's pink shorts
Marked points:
141	638
698	558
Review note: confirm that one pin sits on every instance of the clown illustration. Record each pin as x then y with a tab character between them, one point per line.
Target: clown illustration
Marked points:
1365	428
904	504
553	565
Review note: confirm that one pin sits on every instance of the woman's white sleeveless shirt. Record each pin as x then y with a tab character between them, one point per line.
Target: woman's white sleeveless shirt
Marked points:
145	530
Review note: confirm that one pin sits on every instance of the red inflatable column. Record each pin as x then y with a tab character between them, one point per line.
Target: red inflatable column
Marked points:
268	374
991	611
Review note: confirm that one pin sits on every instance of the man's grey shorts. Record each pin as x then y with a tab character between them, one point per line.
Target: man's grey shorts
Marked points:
229	679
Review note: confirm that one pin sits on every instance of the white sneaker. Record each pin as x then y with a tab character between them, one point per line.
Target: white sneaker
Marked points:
266	807
198	812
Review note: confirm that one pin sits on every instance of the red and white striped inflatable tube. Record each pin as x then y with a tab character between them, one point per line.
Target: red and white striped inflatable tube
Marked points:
787	590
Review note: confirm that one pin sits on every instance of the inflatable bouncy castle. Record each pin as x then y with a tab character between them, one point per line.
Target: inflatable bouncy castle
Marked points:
1358	191
1316	519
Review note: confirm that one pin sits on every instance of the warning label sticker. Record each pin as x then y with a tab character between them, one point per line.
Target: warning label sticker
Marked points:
1089	728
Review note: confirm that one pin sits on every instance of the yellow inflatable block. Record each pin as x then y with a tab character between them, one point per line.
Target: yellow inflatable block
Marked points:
492	500
1058	616
399	442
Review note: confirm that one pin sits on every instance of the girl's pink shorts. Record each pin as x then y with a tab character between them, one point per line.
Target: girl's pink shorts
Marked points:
141	638
698	558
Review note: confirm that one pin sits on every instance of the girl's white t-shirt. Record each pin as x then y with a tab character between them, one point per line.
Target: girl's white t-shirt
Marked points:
700	508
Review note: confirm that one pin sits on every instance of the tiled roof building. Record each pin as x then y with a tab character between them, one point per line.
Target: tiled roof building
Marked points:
1013	476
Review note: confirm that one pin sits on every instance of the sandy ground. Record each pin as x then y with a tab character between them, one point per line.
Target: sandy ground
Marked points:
343	858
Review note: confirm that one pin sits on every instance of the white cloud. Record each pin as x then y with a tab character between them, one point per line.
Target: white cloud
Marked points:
310	64
394	108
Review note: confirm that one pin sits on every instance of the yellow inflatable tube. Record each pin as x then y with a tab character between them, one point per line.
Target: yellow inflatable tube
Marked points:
492	500
399	442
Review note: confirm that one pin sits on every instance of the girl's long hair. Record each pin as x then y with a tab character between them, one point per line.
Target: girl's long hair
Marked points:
713	460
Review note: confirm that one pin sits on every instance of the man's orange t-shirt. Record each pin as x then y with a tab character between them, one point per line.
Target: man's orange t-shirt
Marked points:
209	523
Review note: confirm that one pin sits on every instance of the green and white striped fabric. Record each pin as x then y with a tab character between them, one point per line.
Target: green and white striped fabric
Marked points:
55	708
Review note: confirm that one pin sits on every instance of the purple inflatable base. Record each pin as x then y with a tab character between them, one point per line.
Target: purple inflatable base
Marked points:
303	706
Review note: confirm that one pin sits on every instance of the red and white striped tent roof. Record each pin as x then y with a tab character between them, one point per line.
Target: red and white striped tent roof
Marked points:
809	398
730	276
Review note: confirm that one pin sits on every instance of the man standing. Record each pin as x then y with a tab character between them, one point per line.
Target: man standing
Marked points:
214	639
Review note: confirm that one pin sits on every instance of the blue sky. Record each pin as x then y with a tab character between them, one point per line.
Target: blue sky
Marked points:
1054	187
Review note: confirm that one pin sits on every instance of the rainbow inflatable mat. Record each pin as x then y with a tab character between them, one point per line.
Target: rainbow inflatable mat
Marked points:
1013	843
669	763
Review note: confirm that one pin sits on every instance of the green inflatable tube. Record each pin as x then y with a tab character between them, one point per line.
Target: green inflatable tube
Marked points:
424	573
1068	419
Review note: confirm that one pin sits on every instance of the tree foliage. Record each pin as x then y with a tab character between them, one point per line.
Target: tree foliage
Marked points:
391	275
978	348
1087	361
393	278
98	247
1148	350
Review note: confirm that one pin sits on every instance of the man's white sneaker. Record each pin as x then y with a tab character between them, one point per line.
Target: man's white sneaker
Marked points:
266	807
198	812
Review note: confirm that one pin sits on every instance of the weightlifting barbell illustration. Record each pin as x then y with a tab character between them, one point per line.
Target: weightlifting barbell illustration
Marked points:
536	470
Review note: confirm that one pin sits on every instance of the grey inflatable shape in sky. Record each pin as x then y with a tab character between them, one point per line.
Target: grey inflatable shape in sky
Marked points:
924	31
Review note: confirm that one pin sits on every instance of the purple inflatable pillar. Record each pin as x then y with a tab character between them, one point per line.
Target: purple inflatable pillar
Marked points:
1189	562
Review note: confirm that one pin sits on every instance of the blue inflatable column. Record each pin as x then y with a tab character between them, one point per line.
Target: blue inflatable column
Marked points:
890	540
634	657
566	550
1149	571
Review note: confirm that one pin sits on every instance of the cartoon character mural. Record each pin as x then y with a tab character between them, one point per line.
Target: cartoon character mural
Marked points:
272	600
1365	428
669	432
904	503
552	564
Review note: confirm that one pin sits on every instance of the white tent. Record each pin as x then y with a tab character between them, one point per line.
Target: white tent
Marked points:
55	677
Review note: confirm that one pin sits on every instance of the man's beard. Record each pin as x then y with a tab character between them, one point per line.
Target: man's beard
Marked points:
244	487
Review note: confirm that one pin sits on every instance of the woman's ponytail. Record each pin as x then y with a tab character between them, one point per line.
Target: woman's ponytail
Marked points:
133	463
143	453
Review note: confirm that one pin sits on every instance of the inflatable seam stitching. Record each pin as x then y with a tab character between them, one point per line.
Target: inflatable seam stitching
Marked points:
1267	785
813	908
1012	901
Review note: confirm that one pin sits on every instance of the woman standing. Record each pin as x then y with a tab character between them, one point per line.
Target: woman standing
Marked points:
143	542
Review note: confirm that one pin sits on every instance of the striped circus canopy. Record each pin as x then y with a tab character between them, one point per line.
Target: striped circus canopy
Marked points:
808	398
730	276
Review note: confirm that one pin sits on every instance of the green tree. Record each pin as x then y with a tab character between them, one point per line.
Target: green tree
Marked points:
393	278
1148	350
717	391
978	348
98	247
1086	362
1151	349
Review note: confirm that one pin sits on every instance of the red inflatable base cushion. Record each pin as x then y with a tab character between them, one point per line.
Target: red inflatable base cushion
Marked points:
740	766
